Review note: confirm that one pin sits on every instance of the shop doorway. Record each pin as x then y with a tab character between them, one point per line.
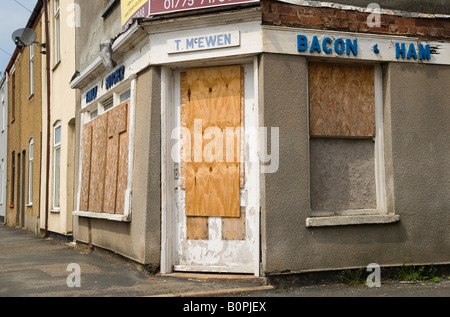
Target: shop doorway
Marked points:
216	185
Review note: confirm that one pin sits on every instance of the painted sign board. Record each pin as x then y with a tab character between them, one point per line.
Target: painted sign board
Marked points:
204	42
369	47
169	6
133	9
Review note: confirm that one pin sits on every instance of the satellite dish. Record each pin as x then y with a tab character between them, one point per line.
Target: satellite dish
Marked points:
24	37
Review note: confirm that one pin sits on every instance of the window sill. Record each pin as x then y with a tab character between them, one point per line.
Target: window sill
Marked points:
99	215
55	211
351	220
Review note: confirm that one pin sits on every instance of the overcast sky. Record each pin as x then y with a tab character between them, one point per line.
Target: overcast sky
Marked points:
13	16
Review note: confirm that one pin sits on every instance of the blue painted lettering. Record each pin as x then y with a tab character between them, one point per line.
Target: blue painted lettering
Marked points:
352	47
178	44
227	39
220	40
189	43
411	51
315	46
211	40
339	46
302	43
400	50
200	42
424	52
325	48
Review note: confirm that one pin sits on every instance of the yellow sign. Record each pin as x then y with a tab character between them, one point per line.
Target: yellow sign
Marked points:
133	9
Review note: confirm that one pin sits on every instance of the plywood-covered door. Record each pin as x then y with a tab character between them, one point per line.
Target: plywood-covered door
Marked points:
217	220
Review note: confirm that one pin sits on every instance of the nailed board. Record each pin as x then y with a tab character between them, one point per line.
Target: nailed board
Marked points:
212	111
341	100
86	166
105	162
98	164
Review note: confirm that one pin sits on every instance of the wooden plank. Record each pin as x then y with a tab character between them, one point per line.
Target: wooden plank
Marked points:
214	100
122	176
342	100
183	121
86	167
117	126
234	228
98	163
197	228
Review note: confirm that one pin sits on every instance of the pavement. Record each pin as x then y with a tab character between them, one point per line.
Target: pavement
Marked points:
31	266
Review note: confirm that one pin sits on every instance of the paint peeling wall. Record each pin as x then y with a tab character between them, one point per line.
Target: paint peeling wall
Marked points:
417	156
138	239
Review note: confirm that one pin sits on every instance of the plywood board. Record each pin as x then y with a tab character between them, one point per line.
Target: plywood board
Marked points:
122	176
117	126
213	105
98	163
197	228
234	228
86	167
341	100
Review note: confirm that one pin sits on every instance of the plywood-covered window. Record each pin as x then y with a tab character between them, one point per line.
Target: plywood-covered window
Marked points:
105	161
342	121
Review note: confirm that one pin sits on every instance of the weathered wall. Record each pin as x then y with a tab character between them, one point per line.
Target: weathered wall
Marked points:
3	144
139	239
94	30
63	100
417	159
26	125
285	14
430	6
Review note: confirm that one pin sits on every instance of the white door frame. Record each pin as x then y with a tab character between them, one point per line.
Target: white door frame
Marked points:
168	207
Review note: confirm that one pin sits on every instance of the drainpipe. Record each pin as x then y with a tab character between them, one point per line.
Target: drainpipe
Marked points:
47	176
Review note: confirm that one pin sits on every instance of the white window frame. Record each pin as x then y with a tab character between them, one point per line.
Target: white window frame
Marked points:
56	148
31	71
57	31
30	171
114	93
365	216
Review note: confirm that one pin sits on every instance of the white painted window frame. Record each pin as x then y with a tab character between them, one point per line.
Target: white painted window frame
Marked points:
56	147
129	84
31	70
30	171
365	216
57	30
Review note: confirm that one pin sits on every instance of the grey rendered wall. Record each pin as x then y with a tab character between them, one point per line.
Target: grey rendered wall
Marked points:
94	29
140	239
417	159
418	100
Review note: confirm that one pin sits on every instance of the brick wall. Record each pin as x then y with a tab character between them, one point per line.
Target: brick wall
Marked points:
283	14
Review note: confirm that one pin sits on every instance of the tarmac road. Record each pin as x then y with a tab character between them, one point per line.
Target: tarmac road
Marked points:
34	267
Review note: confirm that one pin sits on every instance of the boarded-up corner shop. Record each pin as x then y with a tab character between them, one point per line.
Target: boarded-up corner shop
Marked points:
222	144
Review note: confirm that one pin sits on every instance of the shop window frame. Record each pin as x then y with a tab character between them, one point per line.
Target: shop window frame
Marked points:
380	214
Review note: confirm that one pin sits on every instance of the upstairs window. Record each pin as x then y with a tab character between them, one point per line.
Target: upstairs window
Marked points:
30	171
57	31
31	72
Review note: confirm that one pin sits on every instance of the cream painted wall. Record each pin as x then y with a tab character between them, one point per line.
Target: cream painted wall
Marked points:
63	102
